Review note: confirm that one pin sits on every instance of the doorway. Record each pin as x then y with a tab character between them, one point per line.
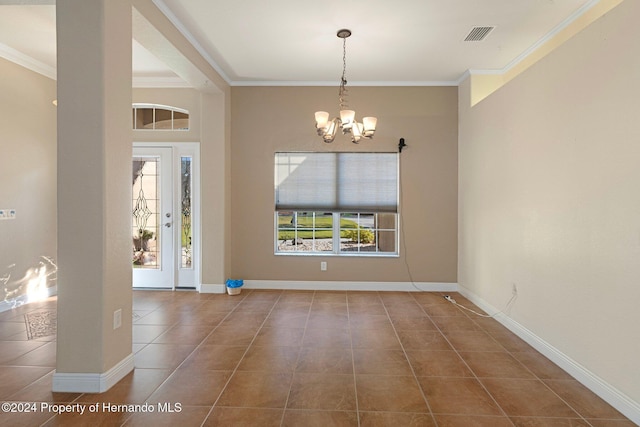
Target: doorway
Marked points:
165	220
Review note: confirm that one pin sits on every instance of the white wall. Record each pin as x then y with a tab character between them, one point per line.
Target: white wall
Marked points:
27	173
549	199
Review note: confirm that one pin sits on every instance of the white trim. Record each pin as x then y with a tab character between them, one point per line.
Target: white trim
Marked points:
27	62
92	383
212	289
604	390
351	286
463	77
171	108
24	299
351	83
159	82
551	34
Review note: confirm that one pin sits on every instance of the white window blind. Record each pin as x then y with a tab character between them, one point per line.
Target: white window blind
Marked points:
336	182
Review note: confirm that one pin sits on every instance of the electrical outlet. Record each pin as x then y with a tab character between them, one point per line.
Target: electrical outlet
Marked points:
323	266
117	318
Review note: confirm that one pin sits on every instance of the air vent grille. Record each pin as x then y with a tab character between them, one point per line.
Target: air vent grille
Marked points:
478	34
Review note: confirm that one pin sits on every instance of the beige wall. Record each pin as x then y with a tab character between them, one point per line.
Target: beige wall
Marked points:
27	171
549	198
270	119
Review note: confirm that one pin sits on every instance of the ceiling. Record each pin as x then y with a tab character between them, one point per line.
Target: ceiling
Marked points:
255	42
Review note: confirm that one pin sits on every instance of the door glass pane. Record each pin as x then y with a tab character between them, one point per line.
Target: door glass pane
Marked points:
146	216
185	197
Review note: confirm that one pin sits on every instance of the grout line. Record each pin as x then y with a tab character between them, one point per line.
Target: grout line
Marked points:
464	361
243	354
293	374
475	376
193	351
406	356
353	360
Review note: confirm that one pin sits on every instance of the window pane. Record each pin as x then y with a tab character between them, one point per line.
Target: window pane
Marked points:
305	231
163	119
180	121
362	232
185	190
387	241
356	234
144	118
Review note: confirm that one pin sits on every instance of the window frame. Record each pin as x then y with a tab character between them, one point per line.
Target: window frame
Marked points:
336	228
163	108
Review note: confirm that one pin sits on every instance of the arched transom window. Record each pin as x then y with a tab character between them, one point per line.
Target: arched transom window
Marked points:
159	117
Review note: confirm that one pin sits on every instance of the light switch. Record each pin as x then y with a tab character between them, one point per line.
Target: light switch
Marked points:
7	214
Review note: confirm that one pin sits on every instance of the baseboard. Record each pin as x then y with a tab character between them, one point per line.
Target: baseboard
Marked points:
351	286
24	299
212	289
92	383
613	396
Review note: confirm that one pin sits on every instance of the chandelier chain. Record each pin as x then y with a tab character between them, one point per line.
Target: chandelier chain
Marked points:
342	95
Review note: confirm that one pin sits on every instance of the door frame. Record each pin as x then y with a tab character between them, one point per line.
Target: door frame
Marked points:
192	278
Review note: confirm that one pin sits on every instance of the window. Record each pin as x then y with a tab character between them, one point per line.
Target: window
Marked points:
336	203
159	117
186	237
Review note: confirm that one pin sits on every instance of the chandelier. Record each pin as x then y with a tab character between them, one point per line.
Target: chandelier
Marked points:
326	128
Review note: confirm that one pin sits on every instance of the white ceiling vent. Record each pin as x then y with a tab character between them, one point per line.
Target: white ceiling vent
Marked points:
478	34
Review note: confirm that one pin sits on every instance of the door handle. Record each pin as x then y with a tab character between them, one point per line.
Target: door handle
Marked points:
168	224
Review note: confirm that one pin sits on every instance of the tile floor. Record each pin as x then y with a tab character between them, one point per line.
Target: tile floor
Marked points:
289	358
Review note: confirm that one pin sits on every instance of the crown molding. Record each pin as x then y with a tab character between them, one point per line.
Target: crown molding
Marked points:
550	35
533	48
27	62
161	5
32	64
351	83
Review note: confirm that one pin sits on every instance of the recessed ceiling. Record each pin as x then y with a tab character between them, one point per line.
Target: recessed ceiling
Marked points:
294	42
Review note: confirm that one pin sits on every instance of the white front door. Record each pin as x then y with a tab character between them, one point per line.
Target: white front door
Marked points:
153	218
